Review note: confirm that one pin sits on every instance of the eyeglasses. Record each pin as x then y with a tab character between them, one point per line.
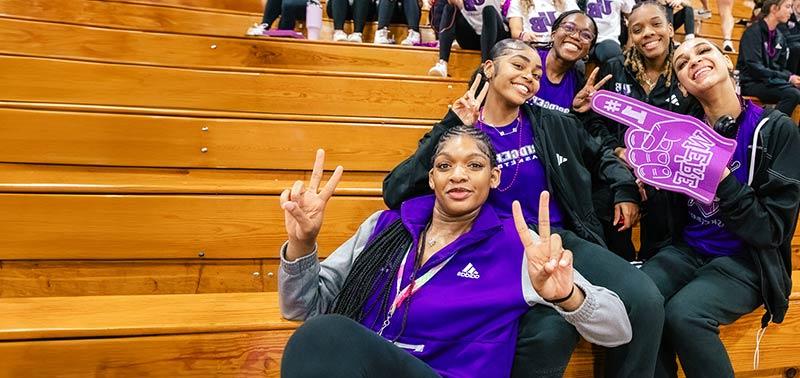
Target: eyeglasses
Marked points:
584	34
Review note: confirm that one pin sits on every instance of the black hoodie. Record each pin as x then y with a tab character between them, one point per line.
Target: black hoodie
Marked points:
754	64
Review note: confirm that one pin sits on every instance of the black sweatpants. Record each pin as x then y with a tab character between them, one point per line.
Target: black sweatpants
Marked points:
288	10
543	329
333	346
339	10
684	17
701	294
454	27
387	8
786	97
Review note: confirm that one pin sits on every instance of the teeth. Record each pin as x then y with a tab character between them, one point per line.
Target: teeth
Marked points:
650	45
702	70
521	88
572	46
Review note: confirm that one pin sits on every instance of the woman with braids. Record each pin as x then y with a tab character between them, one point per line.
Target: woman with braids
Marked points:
544	150
728	258
645	73
435	288
533	22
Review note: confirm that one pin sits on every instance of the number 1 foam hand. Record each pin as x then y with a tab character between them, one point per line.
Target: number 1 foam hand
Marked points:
667	150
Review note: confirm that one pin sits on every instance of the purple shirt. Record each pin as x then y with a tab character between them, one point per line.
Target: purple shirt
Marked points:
524	176
706	232
442	325
555	96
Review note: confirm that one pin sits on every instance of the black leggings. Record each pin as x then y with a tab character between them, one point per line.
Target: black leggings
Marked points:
334	346
386	9
455	27
787	98
340	9
684	17
289	11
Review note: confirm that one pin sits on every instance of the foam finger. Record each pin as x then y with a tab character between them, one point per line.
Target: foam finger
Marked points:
330	186
316	173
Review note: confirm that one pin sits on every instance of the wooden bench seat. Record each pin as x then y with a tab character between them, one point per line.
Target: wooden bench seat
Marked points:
57	40
241	334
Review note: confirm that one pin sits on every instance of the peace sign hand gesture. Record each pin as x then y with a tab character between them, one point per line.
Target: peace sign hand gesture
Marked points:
583	99
468	106
303	209
549	265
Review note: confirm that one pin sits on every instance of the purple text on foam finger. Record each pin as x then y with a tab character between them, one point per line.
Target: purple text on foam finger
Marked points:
667	150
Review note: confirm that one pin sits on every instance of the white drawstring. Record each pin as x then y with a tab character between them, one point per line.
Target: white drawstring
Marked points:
759	334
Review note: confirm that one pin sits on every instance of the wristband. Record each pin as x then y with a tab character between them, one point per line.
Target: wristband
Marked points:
562	300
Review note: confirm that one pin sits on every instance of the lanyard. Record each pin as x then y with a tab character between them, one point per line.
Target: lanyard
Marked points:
416	283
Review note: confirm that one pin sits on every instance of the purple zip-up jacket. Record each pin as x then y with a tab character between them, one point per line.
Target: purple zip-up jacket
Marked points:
463	323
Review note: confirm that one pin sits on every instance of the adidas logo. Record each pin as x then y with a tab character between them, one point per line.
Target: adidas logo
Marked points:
469	271
674	100
560	159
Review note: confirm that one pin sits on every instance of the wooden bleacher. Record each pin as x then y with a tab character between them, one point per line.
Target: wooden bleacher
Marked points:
145	145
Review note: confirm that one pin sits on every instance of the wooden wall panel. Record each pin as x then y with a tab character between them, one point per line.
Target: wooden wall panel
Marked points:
109	227
276	92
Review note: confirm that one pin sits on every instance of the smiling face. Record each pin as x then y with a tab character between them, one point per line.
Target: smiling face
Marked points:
573	37
462	176
650	32
700	66
515	76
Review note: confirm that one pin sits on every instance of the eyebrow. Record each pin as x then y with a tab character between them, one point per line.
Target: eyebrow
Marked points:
523	57
695	47
470	156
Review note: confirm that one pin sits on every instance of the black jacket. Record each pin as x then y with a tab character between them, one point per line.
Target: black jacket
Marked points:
763	214
755	66
570	184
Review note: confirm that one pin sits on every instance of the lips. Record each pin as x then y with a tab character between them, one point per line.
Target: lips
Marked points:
571	47
652	45
459	193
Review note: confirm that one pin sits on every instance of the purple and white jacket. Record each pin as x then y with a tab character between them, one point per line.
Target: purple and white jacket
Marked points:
463	323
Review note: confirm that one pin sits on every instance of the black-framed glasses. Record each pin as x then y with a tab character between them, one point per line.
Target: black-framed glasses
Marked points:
584	34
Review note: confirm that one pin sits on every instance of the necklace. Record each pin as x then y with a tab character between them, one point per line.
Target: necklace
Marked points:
501	132
519	145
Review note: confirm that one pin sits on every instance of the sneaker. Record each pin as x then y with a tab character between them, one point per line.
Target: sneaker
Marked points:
727	46
382	37
257	29
703	14
440	69
339	36
412	39
354	37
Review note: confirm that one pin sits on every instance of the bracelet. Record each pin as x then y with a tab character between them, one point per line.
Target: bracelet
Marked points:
562	300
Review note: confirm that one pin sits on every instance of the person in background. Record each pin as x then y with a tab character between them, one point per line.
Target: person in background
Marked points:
725	8
288	10
608	14
680	13
358	10
727	258
411	12
763	59
791	30
533	21
475	24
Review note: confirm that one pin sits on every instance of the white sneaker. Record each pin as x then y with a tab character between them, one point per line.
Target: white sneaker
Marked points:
440	69
382	37
703	14
257	29
354	37
727	47
339	36
412	39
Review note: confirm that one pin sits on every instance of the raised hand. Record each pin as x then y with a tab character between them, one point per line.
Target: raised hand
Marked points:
667	150
468	106
549	264
303	209
583	99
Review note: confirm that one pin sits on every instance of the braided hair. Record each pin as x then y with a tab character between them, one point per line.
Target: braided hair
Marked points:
634	60
380	261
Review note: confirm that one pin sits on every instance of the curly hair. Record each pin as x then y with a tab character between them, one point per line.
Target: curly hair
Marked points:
635	61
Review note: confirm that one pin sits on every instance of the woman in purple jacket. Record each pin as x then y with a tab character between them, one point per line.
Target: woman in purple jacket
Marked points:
435	288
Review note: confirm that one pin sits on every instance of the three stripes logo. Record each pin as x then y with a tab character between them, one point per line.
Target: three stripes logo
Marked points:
469	271
561	159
